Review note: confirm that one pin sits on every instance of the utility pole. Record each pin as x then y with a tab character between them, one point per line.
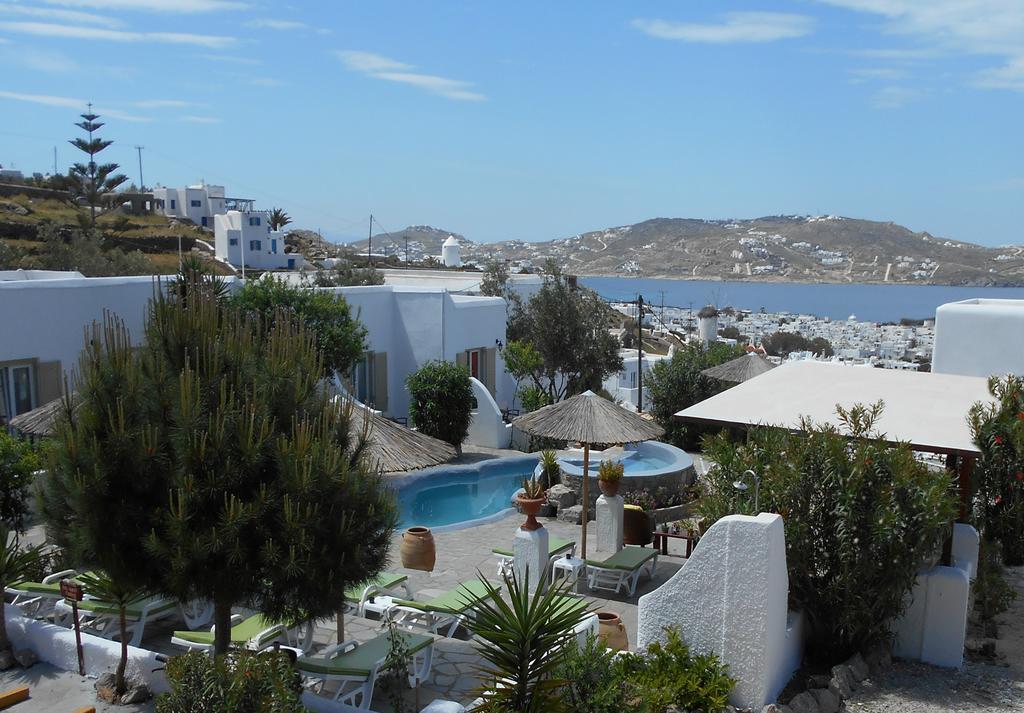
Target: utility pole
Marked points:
662	317
142	184
369	243
689	322
406	252
639	353
54	160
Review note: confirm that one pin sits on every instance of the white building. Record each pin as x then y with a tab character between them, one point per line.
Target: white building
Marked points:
623	386
244	239
45	318
198	204
979	337
450	252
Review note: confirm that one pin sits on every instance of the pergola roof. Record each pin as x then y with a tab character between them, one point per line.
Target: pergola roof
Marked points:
928	411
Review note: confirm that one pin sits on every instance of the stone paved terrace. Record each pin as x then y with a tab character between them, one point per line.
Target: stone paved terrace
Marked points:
460	555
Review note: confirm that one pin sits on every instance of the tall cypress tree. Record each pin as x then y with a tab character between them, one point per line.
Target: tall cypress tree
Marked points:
210	464
92	179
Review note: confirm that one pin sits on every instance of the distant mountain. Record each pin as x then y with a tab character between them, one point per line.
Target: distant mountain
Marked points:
773	248
423	241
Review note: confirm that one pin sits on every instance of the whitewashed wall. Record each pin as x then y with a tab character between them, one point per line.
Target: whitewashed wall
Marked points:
979	337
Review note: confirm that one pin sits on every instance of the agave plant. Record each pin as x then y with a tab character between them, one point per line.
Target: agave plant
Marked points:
532	489
16	562
524	639
550	469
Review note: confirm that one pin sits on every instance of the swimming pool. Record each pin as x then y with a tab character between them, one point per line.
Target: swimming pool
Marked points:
450	497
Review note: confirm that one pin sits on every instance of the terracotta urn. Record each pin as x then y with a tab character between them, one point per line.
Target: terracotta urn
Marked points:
530	508
418	549
610	488
612	631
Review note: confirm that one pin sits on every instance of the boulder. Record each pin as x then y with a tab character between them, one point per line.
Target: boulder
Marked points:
6	660
776	708
571	514
878	657
818	681
858	667
26	658
842	683
804	703
561	496
137	693
828	701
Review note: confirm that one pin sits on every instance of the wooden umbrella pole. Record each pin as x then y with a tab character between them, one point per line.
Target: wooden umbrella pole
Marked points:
586	499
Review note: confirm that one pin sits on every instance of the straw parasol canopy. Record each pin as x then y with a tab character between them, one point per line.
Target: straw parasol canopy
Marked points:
740	369
390	446
588	418
39	422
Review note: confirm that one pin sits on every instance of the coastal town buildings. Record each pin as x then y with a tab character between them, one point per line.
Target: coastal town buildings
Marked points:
244	239
198	203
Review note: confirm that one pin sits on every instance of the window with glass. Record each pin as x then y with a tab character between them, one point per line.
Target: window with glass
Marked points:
17	390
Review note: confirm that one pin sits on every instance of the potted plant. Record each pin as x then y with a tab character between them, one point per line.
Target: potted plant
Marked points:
637	520
609	475
530	501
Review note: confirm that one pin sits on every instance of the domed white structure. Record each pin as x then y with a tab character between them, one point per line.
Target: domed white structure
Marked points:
450	253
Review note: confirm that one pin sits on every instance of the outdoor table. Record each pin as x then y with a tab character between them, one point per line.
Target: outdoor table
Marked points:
664	537
569	567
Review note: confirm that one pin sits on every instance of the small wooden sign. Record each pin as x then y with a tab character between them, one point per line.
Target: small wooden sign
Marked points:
71	590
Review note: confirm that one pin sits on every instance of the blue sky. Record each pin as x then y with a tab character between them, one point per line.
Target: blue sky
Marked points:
540	120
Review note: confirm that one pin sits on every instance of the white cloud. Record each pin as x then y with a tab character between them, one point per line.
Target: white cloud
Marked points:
46	29
867	74
391	70
200	119
266	82
894	97
162	104
53	13
78	105
982	27
228	59
270	23
737	27
43	60
175	6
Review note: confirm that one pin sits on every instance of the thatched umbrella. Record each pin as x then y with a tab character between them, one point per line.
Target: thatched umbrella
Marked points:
392	447
740	369
39	422
588	418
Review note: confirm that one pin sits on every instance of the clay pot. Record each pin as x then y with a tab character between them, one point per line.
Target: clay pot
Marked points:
612	631
418	549
530	508
610	488
637	526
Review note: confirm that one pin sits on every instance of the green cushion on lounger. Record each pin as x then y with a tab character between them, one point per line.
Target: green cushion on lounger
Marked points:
52	590
360	662
132	611
564	605
241	633
555	546
628	559
455	601
383	581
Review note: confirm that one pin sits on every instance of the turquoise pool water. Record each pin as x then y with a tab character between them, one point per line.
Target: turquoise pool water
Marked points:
459	495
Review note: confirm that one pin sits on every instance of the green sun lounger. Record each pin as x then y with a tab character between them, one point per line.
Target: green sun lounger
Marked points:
556	548
354	667
37	599
103	618
622	569
445	611
383	583
255	632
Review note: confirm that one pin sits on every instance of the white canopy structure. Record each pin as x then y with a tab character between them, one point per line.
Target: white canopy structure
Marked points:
928	411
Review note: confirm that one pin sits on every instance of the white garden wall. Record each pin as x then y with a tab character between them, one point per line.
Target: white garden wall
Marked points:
730	598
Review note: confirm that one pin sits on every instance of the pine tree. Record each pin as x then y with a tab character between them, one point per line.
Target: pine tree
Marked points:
210	464
92	179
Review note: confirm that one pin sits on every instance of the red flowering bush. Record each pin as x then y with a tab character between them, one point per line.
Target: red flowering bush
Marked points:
998	430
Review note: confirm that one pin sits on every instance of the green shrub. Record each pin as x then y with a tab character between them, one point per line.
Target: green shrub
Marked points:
441	400
595	681
670	675
862	517
237	682
992	593
18	462
550	470
533	397
998	431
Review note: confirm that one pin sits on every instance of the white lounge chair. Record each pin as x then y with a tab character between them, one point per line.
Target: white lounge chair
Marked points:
622	569
254	632
103	618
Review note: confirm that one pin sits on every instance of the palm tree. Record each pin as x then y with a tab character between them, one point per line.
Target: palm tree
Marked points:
278	219
102	587
16	563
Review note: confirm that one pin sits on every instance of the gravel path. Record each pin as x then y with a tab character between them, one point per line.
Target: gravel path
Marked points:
980	687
